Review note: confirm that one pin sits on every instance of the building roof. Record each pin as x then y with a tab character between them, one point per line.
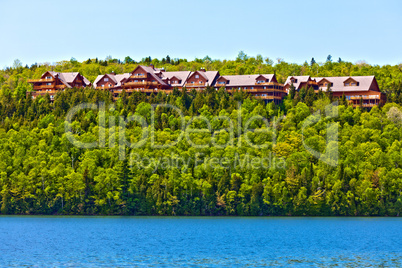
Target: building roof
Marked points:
181	75
300	80
67	78
152	72
365	83
116	78
245	80
210	76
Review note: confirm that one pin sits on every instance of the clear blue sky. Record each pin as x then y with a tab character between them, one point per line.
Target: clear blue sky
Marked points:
50	31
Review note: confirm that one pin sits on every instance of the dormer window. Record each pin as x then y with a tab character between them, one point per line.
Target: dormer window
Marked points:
346	84
294	80
353	84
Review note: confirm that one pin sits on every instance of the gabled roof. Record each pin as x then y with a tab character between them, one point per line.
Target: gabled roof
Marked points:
180	75
300	80
245	80
268	77
67	78
209	76
116	78
319	81
151	71
365	83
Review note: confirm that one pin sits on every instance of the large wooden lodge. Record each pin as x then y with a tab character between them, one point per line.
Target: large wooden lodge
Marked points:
359	90
53	82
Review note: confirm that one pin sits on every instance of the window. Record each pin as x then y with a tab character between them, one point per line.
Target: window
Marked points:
106	79
294	80
197	76
48	77
252	87
353	84
103	85
49	84
346	84
200	82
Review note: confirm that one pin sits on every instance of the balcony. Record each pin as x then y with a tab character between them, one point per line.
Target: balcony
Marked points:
136	84
43	87
138	76
257	90
367	97
268	84
195	85
43	93
269	97
40	80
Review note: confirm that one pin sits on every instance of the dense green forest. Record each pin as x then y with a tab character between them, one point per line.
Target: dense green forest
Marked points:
42	172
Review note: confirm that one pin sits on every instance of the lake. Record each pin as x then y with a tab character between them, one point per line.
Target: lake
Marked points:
199	241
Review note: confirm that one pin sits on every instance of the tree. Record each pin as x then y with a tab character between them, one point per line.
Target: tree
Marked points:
312	62
242	57
329	58
128	60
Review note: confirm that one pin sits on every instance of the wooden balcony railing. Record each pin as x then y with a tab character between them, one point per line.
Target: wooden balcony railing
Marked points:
43	87
268	84
269	97
49	87
43	93
138	76
367	97
195	85
259	90
40	80
145	83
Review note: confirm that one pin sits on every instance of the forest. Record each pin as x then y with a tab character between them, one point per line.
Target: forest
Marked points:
42	172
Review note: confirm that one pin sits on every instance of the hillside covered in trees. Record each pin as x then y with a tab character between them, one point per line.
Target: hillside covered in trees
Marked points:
42	172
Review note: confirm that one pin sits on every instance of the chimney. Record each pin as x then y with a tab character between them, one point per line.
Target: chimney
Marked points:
163	69
152	66
113	73
202	69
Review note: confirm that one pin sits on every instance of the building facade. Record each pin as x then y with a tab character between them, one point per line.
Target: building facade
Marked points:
358	90
263	86
150	80
53	82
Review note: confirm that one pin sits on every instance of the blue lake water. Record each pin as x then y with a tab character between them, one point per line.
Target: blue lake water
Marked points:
199	241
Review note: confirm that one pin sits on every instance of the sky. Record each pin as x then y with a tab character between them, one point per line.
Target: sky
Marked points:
295	31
